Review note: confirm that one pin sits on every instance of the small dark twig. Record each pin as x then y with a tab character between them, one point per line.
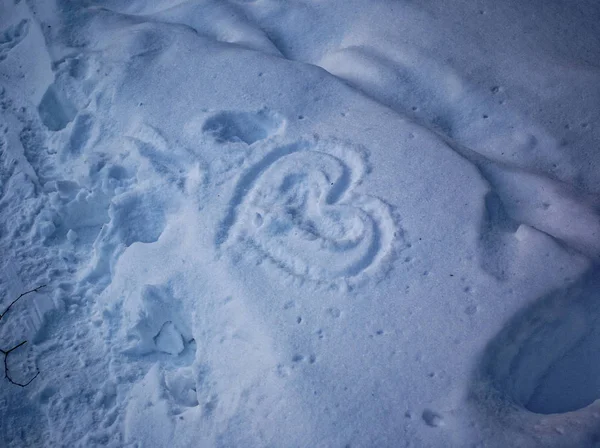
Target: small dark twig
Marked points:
7	375
9	351
17	299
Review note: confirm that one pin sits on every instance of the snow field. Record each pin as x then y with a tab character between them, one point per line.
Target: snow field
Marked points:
307	225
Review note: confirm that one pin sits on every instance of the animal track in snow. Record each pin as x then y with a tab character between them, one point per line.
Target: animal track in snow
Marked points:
297	207
246	127
12	36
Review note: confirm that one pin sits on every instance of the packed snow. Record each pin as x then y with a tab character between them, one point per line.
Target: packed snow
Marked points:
266	223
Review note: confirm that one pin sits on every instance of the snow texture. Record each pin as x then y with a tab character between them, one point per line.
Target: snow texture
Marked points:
300	224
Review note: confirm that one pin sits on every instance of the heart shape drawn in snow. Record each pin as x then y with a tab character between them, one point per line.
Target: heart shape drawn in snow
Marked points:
297	207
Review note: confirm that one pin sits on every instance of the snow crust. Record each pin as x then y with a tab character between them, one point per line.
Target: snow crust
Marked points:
300	224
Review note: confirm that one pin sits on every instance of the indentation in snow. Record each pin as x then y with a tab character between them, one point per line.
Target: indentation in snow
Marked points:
545	360
246	127
55	110
169	340
297	207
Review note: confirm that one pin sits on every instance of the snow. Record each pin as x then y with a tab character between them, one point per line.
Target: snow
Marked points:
310	223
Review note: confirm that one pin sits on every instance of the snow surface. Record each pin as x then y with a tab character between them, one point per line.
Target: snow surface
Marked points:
300	224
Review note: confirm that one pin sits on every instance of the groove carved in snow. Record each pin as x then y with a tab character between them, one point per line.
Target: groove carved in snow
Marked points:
297	207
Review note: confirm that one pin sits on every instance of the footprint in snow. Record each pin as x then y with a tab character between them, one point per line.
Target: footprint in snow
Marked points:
55	109
155	323
244	127
543	367
134	217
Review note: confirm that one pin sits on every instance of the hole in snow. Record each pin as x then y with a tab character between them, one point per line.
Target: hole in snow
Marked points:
546	359
573	382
